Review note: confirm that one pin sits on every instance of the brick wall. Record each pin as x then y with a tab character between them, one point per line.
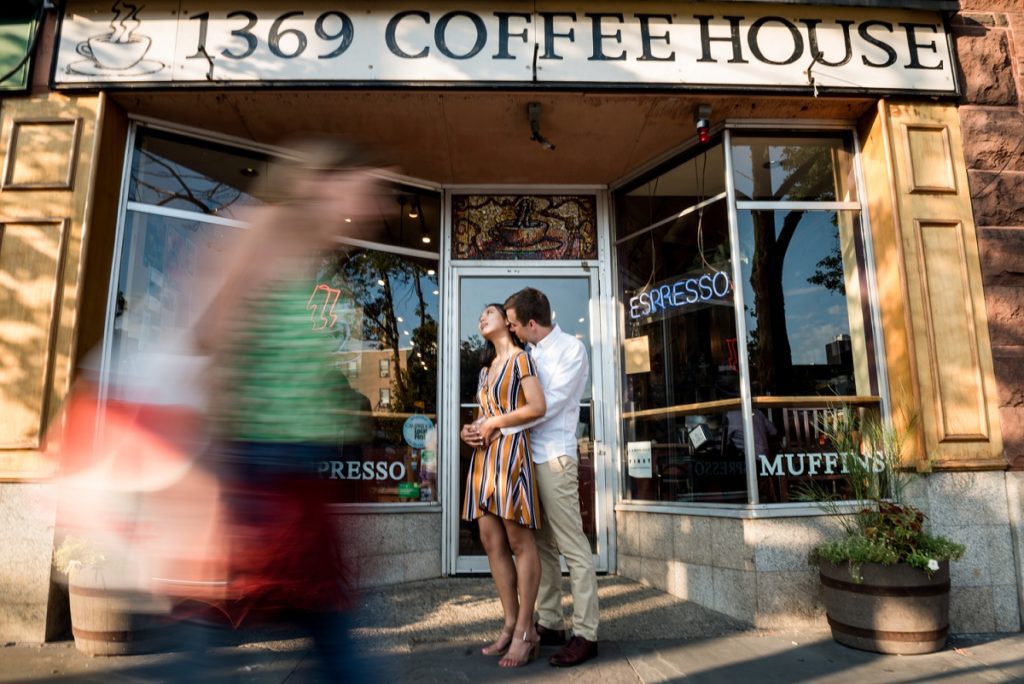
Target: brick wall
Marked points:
989	38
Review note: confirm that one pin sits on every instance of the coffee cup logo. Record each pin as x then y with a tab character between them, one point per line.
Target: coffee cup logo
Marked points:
120	51
108	53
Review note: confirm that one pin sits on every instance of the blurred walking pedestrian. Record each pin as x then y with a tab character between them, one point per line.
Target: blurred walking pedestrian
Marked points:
275	402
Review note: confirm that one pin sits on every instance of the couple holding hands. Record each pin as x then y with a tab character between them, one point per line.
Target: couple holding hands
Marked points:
522	485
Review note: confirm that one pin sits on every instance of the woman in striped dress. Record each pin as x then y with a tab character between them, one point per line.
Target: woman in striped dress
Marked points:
500	490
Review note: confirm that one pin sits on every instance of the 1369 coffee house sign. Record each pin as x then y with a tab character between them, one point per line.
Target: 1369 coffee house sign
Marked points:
614	44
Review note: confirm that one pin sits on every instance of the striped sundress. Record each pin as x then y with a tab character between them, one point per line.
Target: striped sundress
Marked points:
501	477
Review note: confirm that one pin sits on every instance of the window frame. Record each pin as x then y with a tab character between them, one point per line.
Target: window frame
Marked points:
725	132
125	206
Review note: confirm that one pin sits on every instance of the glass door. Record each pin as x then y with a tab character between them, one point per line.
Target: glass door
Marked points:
573	293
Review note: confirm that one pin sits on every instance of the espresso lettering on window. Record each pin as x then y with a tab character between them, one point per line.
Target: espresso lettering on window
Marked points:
634	307
812	41
755	49
596	18
646	37
705	288
691	291
890	53
915	62
678	298
504	35
550	35
392	27
706	38
655	300
440	35
665	294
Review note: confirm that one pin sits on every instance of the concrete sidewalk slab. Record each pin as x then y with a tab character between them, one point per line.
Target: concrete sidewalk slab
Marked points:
432	632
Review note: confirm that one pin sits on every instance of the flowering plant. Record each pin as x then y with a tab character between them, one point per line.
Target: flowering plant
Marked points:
885	530
75	552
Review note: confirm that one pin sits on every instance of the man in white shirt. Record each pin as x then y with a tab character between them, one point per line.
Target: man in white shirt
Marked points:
562	366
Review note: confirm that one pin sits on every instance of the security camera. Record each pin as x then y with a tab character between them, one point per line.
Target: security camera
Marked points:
702	121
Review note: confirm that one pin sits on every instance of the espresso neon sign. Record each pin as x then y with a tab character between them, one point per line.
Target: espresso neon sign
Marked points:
685	292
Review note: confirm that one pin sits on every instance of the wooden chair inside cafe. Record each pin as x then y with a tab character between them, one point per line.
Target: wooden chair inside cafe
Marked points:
805	431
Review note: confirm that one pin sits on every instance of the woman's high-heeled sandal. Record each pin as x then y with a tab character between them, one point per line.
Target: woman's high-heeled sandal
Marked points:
531	654
500	645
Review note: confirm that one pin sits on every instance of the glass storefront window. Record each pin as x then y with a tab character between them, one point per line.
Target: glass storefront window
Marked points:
672	190
679	343
815	168
172	171
808	347
382	296
387	334
806	311
157	300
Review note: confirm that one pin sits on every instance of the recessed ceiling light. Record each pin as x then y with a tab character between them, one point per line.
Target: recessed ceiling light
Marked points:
426	239
248	172
431	272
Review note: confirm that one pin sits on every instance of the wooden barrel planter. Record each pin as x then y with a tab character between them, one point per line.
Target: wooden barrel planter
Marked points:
111	622
895	609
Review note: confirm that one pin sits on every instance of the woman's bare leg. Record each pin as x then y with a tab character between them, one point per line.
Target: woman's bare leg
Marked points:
527	564
503	571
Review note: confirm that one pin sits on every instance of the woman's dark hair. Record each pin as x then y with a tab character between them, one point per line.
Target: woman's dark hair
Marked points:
489	353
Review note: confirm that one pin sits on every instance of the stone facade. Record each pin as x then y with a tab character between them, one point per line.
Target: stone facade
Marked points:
989	38
26	610
391	548
756	570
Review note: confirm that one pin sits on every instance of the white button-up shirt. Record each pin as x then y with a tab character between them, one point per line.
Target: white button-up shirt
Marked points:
563	368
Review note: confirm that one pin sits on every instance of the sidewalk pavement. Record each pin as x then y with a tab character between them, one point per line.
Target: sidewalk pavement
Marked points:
431	632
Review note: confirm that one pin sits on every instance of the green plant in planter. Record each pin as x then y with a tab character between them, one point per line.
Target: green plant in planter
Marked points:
75	552
885	530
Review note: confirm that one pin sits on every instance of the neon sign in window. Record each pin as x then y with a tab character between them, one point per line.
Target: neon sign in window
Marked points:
674	296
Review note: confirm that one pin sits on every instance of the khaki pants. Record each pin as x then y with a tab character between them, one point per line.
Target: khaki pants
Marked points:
561	530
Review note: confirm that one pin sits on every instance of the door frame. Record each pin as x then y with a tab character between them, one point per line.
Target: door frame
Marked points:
603	327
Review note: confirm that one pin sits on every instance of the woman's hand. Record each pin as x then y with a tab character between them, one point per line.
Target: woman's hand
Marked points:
470	435
487	430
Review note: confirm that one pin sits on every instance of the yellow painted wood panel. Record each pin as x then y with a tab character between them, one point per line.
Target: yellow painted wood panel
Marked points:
950	349
960	400
42	153
41	282
929	161
31	262
891	279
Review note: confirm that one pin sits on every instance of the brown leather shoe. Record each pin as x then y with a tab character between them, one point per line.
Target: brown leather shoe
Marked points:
550	637
578	650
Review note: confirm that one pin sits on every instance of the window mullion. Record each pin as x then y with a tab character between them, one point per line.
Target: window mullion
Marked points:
741	326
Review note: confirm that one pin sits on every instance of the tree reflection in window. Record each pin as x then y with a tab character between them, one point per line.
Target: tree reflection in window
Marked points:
392	295
170	171
771	169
